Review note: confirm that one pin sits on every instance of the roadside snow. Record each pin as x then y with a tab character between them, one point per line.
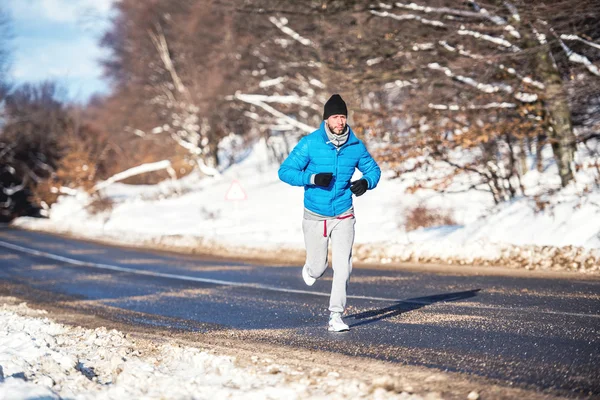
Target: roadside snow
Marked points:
192	212
41	359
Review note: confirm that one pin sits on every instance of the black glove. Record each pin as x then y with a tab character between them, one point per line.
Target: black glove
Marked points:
359	187
323	179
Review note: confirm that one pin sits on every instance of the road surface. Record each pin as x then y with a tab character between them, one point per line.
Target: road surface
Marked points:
530	332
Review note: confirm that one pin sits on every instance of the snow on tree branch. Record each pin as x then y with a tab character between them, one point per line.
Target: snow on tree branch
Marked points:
317	83
497	40
271	82
310	64
454	107
140	169
511	71
160	43
575	37
274	99
259	101
512	31
526	97
10	191
160	129
459	50
407	17
373	61
399	84
540	37
514	13
64	190
190	145
281	24
524	79
483	13
193	148
445	10
578	58
423	46
7	150
484	87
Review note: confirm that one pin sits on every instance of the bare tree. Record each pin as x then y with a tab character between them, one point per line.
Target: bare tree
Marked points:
424	72
45	148
500	56
31	150
501	80
177	62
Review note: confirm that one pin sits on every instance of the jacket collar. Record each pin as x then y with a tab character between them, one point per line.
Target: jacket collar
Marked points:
352	139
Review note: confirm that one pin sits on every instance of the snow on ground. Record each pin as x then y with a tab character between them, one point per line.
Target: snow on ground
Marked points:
193	212
41	359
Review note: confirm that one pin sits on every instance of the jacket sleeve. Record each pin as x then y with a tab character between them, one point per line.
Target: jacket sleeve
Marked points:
293	169
369	168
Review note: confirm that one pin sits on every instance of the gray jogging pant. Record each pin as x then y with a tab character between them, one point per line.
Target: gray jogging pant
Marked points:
316	239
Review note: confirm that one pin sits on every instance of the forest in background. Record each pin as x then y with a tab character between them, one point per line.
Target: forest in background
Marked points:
475	93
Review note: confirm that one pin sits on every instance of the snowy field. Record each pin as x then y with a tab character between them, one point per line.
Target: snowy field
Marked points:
41	359
193	213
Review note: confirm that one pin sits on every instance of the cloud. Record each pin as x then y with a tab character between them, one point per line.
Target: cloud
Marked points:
70	11
73	65
38	60
58	40
88	16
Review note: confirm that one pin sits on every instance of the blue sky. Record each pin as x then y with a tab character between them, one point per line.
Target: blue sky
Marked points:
58	40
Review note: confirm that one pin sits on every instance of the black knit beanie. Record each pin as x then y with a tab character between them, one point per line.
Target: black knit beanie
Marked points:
335	106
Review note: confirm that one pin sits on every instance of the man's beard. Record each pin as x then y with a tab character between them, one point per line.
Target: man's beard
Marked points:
336	132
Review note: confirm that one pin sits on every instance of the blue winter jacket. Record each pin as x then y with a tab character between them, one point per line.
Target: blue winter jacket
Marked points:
314	154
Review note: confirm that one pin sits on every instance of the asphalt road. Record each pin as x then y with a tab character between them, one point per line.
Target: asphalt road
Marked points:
532	332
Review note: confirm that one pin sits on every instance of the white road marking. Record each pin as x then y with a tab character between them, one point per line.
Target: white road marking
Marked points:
257	285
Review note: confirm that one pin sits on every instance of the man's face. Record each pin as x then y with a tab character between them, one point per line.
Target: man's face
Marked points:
337	124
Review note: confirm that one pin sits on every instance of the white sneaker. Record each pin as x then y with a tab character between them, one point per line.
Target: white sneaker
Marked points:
309	280
336	324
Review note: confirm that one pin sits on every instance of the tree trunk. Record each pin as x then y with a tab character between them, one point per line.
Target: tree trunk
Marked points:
539	146
560	132
213	157
523	166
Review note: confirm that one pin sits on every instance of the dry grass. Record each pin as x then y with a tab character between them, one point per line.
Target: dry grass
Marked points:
100	205
424	217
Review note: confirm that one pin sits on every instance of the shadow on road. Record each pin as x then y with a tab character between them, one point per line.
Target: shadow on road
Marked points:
403	306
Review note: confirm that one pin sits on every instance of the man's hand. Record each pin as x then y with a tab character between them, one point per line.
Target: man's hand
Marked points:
359	187
323	179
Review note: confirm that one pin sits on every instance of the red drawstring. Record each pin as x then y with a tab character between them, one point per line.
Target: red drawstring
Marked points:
325	223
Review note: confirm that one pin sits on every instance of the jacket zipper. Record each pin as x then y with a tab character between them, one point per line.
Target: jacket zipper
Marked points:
337	151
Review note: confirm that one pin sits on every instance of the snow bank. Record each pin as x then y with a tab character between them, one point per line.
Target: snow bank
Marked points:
41	359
